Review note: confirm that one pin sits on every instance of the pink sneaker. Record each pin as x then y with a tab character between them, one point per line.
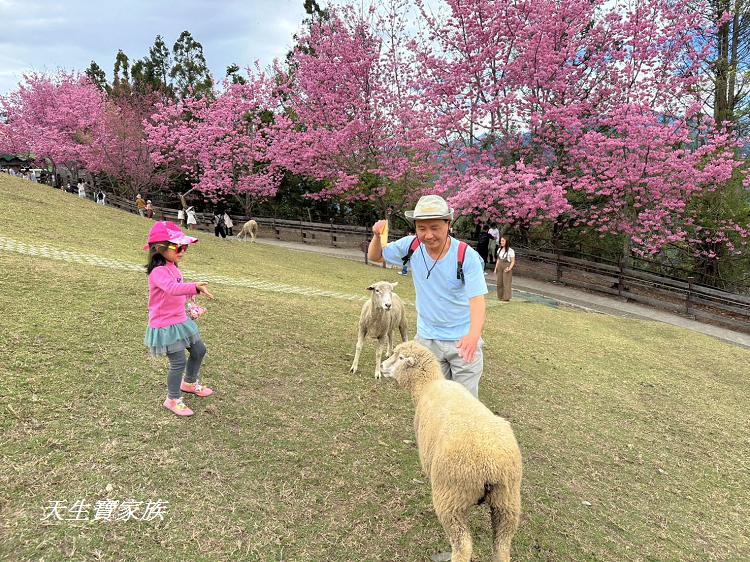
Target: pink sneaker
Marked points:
196	388
177	407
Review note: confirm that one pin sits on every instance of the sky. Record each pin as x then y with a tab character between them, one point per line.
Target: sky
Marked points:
44	35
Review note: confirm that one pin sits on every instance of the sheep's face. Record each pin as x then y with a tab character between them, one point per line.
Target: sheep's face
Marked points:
408	362
382	294
396	363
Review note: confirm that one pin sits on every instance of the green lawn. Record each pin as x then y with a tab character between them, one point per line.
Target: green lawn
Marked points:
296	459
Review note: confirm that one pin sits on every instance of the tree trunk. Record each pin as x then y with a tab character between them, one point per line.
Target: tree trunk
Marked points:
733	61
721	93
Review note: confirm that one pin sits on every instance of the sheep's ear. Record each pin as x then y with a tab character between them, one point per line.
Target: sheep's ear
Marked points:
371	288
410	361
393	285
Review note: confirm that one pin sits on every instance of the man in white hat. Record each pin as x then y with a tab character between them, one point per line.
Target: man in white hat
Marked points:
450	305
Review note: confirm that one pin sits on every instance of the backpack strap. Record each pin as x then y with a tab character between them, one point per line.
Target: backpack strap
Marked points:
462	246
412	248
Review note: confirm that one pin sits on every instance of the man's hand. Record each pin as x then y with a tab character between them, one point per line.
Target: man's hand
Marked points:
467	347
377	228
203	289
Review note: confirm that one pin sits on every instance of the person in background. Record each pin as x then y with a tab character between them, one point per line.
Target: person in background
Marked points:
494	241
219	224
483	243
192	221
81	189
228	224
140	205
506	261
149	209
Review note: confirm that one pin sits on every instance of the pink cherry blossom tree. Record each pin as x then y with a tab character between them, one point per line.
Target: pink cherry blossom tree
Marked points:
348	108
582	112
56	118
120	150
221	143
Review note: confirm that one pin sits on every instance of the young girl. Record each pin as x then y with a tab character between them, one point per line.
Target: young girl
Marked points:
170	332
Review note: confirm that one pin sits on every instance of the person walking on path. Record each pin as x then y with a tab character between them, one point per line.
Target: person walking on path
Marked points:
228	224
506	261
450	302
191	220
494	241
483	243
81	189
140	205
170	332
219	229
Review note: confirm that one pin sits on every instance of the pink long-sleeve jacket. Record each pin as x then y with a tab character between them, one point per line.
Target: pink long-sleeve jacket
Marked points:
167	295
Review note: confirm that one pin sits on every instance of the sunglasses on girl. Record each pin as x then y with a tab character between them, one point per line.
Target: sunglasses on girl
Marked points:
179	248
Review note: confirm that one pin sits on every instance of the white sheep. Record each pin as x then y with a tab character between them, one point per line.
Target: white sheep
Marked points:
249	228
469	454
380	316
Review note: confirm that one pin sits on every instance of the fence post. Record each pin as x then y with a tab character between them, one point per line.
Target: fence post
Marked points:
619	278
276	230
333	238
558	273
689	296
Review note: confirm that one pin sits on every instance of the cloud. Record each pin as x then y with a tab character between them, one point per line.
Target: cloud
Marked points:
43	35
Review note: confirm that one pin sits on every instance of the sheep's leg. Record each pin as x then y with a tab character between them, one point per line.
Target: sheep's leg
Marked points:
390	345
360	342
402	328
456	525
505	513
382	342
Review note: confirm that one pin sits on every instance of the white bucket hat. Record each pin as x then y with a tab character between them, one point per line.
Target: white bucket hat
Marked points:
430	207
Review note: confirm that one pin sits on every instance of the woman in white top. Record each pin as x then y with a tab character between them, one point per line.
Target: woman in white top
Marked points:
191	222
181	216
506	261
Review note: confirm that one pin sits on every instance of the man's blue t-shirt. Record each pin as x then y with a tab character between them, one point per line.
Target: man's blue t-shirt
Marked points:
442	300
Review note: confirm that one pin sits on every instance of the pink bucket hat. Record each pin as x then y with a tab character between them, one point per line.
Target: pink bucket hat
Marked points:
164	231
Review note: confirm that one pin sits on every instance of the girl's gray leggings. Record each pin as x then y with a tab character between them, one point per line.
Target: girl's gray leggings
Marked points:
177	366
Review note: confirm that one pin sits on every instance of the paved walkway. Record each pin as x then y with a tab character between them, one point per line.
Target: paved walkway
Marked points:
528	289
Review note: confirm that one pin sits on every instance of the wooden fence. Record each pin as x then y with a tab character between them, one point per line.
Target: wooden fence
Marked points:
334	235
676	295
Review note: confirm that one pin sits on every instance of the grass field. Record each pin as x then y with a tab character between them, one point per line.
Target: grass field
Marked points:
635	435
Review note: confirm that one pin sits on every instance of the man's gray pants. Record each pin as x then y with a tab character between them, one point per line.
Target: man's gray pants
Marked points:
454	368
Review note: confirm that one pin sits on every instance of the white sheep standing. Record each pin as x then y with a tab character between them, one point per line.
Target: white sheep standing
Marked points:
380	316
250	228
469	454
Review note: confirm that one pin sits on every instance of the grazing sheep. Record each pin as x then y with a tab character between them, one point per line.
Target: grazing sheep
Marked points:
469	454
380	316
249	228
